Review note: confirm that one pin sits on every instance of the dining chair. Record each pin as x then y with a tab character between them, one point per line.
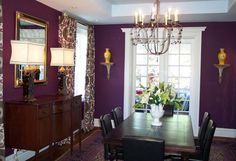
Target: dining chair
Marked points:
110	152
143	149
202	130
203	153
117	115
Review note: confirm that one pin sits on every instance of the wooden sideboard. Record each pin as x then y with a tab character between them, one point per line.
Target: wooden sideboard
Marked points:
49	119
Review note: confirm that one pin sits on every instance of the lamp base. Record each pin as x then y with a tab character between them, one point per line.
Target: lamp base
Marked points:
61	84
28	86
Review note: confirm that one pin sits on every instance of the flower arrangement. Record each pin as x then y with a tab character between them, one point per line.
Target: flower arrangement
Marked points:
158	93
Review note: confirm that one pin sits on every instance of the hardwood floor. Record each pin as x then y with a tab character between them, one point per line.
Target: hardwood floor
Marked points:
57	150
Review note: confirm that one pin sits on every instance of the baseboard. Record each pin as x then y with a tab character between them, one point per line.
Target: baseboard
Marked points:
97	123
220	132
223	132
21	156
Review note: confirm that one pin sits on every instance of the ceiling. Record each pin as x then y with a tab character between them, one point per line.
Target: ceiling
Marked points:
122	11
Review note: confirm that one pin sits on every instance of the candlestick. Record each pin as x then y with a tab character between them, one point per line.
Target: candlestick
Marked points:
142	19
140	16
166	18
153	13
136	18
176	15
169	14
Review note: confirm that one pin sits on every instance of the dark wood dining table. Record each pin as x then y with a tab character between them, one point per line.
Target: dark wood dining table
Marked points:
176	130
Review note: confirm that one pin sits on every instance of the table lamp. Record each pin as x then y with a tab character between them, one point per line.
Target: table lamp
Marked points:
29	54
62	57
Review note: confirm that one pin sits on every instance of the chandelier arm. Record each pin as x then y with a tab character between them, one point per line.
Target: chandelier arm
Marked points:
168	44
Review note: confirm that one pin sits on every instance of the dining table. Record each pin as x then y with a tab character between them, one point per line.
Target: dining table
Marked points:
176	130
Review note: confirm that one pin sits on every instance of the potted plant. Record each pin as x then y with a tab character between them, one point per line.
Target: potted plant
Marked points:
157	95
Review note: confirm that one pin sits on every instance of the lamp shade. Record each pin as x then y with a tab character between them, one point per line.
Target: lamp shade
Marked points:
29	53
62	57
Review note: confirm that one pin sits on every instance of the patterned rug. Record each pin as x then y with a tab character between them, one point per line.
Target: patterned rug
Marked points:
92	150
223	150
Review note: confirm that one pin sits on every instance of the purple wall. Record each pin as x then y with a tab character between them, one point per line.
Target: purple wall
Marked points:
219	100
35	9
109	93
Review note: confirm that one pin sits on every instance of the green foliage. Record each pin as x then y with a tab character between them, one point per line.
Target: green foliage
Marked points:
158	94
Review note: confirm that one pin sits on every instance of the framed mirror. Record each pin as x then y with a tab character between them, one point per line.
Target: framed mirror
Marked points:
29	28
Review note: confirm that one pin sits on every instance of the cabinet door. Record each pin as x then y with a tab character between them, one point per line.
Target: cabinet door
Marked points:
20	129
61	119
44	125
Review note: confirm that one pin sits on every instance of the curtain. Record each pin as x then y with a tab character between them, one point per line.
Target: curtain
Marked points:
2	146
89	105
67	39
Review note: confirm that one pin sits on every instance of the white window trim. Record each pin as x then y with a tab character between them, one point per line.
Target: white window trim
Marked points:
194	33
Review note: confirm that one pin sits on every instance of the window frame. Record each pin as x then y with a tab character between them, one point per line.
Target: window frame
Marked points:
194	33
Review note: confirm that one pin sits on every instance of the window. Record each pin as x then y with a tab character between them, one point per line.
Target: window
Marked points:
170	69
174	67
80	60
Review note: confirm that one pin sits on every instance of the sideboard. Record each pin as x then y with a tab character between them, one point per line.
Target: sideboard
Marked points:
35	125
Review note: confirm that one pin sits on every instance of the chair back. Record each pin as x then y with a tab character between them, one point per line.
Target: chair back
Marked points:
106	127
143	149
208	140
117	115
203	127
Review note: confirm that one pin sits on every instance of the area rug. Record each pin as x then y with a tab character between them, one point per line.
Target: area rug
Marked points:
223	150
92	150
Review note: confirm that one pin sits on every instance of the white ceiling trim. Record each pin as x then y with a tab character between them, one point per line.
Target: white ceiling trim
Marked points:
194	7
122	11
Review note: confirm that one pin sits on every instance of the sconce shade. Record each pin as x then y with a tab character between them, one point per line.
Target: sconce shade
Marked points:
29	53
62	57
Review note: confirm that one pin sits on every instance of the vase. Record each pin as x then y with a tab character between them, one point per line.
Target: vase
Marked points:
107	56
156	112
221	56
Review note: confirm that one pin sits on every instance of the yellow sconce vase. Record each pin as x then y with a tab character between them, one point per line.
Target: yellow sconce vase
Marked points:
221	56
107	56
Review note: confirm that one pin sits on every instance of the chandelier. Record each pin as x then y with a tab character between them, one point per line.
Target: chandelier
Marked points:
157	36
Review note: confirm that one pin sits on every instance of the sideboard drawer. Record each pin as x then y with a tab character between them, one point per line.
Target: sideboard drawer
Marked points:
44	111
60	107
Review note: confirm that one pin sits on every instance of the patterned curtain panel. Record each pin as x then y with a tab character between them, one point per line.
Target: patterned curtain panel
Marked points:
2	147
88	122
67	39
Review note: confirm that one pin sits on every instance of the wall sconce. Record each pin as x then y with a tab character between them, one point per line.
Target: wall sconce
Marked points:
62	57
221	66
28	54
107	63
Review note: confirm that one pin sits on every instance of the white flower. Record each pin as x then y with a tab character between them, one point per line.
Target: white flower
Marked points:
145	98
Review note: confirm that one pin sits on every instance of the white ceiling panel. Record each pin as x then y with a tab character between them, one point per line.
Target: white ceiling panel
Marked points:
122	11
